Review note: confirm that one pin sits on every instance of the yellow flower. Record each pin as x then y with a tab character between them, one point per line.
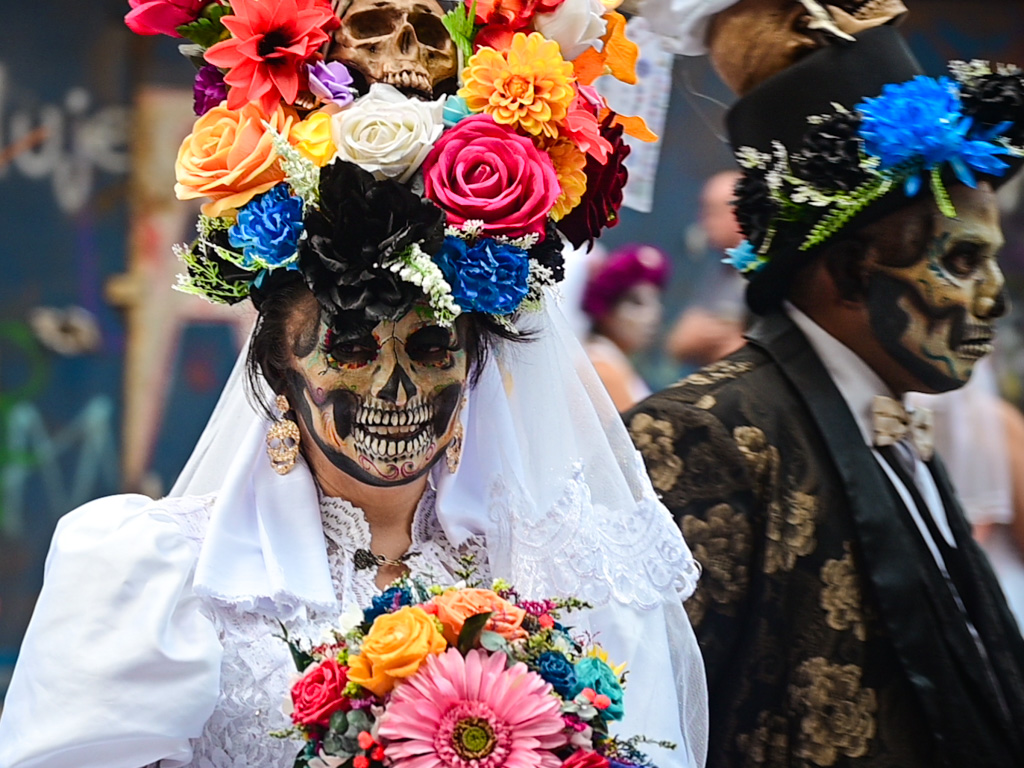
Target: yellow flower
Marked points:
529	86
598	652
397	645
569	165
312	138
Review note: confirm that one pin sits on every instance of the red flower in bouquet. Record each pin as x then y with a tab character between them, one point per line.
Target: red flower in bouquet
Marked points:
319	693
271	43
484	171
600	205
511	13
585	758
162	17
473	711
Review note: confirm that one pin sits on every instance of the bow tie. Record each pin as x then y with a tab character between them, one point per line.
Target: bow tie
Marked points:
893	423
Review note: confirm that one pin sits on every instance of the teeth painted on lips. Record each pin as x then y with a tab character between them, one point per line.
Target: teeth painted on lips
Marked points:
390	449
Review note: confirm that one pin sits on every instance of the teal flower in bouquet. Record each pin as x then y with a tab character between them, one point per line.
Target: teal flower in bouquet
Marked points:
595	674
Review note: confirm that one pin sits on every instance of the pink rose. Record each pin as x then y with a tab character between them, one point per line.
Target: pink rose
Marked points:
586	759
162	17
488	172
319	693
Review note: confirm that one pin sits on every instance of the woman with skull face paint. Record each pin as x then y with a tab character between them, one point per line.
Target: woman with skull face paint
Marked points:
409	400
846	615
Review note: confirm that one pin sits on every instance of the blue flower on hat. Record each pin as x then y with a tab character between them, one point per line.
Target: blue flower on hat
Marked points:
919	124
487	277
268	229
744	258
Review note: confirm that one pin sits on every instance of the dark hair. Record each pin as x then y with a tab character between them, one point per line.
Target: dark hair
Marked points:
274	345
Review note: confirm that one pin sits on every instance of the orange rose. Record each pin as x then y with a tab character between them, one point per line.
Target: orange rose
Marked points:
457	605
397	644
230	158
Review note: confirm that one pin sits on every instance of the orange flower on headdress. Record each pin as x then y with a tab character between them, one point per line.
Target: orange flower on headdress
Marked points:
270	45
229	157
569	164
527	87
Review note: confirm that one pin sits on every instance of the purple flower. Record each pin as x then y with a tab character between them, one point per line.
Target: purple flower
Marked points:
209	89
331	82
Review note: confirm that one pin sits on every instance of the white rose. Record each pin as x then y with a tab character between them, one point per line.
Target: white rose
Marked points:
575	25
386	133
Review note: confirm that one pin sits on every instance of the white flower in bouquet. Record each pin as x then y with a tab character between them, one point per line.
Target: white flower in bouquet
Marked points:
575	25
387	133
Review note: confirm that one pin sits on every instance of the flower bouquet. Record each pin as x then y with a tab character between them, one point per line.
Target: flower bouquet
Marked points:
461	677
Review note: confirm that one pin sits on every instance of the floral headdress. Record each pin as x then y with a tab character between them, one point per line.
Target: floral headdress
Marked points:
849	166
379	191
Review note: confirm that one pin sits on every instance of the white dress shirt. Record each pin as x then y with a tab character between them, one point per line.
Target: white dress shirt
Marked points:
859	385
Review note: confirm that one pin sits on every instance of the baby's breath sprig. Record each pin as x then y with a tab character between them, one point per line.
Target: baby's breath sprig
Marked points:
417	268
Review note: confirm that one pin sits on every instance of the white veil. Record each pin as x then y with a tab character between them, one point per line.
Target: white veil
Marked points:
551	479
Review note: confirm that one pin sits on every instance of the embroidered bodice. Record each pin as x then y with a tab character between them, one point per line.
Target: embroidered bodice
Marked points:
257	668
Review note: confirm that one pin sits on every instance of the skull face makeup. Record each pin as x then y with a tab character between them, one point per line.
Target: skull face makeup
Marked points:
935	316
399	42
382	407
752	40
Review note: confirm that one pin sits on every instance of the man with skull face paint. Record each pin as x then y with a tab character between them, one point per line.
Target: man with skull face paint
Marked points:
414	404
846	616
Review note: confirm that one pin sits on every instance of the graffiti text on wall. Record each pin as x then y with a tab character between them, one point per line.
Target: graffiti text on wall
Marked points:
66	143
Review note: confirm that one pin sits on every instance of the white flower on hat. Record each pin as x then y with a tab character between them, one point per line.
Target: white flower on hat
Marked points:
386	133
575	25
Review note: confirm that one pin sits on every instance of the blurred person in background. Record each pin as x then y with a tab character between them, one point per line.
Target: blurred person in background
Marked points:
622	298
980	437
713	327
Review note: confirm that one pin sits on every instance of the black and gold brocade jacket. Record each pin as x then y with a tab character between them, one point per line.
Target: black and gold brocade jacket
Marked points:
829	634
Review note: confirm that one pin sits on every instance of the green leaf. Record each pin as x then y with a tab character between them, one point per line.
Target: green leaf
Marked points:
471	632
208	29
301	659
358	721
461	27
492	641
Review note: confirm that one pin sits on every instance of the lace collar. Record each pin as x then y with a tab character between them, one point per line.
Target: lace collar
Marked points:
345	524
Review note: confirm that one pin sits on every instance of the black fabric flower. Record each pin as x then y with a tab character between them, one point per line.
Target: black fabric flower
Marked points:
548	252
755	209
361	224
996	98
829	156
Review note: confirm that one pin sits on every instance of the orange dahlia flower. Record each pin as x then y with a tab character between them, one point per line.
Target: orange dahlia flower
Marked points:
528	87
271	42
569	164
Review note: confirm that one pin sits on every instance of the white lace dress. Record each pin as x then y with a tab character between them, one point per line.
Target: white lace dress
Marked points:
160	647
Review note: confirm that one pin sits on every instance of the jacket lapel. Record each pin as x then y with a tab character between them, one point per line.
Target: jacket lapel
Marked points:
898	580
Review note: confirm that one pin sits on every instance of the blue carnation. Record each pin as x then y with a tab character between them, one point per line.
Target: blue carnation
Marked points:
486	277
920	124
593	673
559	671
744	258
268	228
388	601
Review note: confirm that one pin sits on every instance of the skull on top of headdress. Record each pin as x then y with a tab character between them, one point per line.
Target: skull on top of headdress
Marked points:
751	40
399	42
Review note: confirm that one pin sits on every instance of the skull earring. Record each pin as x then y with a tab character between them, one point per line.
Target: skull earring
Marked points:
283	440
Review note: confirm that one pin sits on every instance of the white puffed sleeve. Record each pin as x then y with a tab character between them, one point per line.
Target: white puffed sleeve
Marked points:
118	669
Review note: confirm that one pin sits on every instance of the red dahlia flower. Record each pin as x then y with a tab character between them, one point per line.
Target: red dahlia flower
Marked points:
602	199
271	43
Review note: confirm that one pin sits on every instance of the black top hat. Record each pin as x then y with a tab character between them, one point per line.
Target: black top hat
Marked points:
801	138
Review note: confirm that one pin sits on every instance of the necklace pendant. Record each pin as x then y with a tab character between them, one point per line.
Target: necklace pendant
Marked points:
364	559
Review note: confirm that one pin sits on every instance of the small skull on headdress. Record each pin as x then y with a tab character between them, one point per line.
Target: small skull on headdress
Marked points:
399	42
752	40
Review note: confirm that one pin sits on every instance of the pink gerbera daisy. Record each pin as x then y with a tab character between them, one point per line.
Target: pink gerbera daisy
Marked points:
472	712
